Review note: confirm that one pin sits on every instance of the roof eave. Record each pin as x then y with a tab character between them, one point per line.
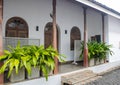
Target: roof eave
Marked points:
98	7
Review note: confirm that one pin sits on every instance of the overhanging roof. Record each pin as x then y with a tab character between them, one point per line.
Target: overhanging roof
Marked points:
104	6
98	6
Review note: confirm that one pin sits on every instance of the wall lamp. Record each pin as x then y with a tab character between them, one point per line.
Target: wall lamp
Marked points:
37	28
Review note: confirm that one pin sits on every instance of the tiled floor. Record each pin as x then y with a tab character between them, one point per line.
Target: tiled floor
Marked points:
68	67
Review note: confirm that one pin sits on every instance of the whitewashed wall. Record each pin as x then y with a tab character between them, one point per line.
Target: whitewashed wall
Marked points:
35	12
69	14
94	23
106	28
114	37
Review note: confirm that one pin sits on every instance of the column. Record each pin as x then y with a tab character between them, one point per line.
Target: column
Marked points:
103	27
85	39
1	39
55	35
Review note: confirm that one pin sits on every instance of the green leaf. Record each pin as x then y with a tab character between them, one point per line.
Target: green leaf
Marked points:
37	54
28	68
7	52
45	72
3	57
11	67
16	63
34	61
18	44
4	66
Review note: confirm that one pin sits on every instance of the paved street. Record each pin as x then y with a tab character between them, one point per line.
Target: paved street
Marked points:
111	78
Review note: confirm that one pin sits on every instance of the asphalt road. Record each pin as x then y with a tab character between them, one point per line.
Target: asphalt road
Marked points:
111	78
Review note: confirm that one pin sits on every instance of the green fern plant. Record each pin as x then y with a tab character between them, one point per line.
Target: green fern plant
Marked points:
28	56
14	59
96	50
46	59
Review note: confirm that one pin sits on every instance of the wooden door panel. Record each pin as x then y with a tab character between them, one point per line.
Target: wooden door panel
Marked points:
48	36
48	39
22	34
11	33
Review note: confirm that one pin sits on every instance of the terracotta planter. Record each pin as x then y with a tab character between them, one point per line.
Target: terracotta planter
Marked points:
17	77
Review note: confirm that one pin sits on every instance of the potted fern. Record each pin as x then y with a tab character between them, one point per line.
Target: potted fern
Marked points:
41	59
13	61
90	52
32	52
30	58
46	60
96	52
104	49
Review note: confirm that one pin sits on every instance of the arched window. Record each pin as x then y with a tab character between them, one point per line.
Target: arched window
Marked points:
74	35
16	27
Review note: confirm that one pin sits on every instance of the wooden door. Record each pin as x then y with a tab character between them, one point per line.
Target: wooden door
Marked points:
74	35
49	35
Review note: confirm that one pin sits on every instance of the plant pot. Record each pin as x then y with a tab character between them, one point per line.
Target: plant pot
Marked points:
91	62
49	74
97	61
35	73
101	61
17	77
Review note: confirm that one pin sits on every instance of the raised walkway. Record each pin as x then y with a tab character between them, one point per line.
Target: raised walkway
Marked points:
56	79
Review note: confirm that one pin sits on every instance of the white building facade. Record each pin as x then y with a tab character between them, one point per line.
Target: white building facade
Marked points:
70	14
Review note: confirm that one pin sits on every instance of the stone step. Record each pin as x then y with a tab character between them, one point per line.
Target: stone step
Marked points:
68	76
79	78
89	80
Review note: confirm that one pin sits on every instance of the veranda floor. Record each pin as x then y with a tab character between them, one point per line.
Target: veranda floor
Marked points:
68	67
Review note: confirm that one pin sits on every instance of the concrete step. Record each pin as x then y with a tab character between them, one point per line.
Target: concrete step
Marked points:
79	78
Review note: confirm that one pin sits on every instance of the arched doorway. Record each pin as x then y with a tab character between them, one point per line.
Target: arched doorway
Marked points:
74	35
16	27
48	35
